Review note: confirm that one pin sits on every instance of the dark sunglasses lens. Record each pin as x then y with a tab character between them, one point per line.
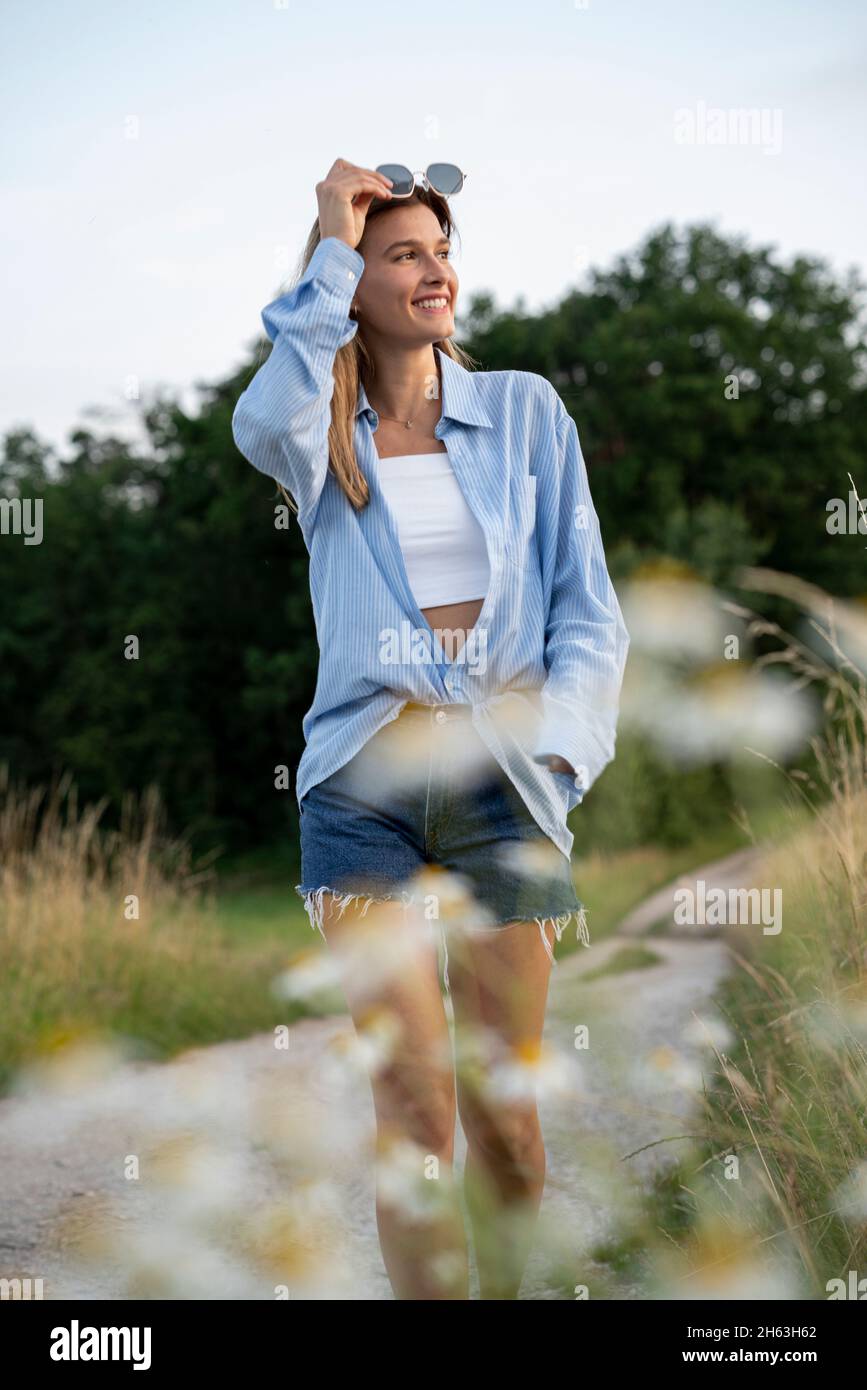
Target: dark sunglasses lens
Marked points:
445	178
400	176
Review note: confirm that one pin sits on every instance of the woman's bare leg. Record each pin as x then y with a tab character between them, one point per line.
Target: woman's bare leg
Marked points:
499	987
421	1232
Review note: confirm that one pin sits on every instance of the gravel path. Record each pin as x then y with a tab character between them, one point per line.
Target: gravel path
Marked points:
222	1118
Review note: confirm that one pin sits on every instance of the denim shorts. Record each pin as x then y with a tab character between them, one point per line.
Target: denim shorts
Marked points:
425	790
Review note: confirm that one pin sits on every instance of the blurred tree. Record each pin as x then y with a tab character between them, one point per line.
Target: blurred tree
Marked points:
699	370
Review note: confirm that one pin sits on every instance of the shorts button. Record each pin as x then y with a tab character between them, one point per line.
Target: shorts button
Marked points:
440	716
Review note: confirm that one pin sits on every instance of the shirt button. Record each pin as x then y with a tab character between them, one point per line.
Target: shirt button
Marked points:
350	274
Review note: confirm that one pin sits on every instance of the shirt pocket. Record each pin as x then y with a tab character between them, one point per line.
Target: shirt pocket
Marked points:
520	546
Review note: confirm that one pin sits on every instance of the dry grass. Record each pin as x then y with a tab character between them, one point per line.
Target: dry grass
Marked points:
113	931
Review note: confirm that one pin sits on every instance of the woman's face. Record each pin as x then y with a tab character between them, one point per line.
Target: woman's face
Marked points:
406	260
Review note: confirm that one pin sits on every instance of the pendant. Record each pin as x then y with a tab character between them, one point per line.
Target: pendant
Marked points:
409	424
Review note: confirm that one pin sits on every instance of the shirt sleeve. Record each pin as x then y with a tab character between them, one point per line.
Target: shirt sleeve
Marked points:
586	641
280	423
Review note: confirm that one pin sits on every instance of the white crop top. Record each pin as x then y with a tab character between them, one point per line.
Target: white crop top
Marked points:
443	545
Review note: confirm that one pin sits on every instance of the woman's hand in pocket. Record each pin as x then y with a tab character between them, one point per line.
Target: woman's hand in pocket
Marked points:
558	764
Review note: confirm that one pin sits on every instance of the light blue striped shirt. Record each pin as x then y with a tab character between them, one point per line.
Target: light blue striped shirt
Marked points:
543	665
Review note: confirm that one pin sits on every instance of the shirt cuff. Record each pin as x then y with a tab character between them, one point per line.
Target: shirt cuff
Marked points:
559	734
336	266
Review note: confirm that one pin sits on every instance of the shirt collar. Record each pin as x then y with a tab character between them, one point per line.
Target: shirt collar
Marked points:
461	399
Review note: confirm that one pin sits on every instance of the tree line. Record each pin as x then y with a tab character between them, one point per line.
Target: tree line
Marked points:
719	394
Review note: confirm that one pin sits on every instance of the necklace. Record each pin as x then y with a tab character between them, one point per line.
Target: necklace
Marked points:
408	424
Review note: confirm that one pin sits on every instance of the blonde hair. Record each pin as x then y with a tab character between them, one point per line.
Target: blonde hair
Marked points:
353	363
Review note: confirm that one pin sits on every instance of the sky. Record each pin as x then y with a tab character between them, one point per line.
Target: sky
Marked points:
157	180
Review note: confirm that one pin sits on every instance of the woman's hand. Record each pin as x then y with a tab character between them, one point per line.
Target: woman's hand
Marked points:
558	764
344	198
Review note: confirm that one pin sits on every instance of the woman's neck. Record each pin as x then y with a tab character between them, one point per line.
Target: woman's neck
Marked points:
405	384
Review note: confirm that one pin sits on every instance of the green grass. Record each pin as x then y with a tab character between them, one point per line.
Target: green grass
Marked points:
264	913
255	899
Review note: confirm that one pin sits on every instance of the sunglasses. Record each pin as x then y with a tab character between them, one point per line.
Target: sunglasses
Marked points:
444	179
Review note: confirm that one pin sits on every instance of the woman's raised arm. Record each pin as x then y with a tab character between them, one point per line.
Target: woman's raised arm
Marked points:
280	423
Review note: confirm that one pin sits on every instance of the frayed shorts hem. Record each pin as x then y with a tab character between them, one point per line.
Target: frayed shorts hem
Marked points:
314	907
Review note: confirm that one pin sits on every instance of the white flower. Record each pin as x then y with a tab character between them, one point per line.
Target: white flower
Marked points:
532	1072
710	1032
675	616
665	1067
414	1181
851	1195
311	973
718	713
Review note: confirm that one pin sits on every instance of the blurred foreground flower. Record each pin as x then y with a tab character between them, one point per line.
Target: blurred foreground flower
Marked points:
69	1062
533	1071
374	1045
670	613
447	898
310	973
717	712
708	1031
851	1196
537	858
414	1182
724	1260
386	938
665	1067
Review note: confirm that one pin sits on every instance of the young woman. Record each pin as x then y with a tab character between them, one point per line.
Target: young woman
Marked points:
441	508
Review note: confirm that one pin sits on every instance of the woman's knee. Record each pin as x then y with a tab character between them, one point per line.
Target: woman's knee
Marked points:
417	1102
506	1134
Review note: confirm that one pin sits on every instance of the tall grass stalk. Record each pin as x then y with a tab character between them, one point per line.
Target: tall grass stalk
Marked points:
774	1201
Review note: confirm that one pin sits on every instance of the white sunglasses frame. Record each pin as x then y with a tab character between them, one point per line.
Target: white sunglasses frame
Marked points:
422	174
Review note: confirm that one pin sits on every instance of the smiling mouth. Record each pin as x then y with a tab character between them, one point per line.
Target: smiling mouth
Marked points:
433	304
